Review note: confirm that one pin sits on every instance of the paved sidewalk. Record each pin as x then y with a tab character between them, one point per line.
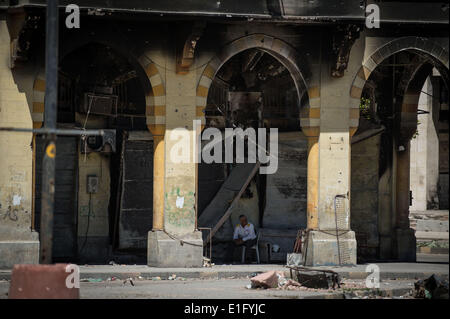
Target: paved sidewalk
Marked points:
226	289
387	271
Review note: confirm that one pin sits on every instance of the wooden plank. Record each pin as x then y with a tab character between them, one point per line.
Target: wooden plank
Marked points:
227	213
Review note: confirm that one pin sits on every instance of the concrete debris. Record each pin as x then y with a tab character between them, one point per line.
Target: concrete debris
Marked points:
291	285
307	279
431	288
270	279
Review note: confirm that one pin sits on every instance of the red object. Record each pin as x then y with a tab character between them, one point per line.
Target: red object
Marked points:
41	282
267	280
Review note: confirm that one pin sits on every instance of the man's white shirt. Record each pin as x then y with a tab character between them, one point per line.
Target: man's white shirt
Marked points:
245	233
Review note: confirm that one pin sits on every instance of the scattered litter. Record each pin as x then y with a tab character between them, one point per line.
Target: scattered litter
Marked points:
112	263
207	262
91	280
172	277
156	278
128	280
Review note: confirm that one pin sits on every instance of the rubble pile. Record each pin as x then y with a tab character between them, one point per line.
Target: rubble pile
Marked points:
431	288
310	280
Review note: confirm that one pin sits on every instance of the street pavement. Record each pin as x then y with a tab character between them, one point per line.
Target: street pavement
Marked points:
218	289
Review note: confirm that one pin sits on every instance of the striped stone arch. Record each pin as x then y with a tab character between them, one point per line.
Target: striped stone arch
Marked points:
155	99
279	49
422	45
155	109
407	124
37	108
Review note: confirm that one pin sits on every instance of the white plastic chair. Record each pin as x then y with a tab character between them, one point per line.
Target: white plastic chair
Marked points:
255	247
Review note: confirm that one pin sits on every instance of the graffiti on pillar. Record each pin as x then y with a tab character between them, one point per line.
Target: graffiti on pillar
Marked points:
180	207
12	214
14	206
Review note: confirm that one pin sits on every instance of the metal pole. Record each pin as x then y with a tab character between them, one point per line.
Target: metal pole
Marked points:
48	163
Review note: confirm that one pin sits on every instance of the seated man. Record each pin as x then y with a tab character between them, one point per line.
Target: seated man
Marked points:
244	235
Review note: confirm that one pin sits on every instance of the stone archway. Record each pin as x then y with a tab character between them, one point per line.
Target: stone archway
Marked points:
423	45
279	49
297	66
405	114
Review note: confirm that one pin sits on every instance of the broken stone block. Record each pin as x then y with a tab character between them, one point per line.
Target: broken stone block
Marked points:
267	280
291	284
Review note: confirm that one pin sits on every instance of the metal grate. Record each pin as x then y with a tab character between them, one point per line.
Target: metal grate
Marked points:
341	216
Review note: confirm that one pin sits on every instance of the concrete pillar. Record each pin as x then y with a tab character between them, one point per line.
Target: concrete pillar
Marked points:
433	143
325	245
405	242
178	243
18	243
158	181
424	175
312	198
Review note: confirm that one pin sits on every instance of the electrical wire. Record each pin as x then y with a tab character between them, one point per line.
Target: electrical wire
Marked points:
84	137
182	242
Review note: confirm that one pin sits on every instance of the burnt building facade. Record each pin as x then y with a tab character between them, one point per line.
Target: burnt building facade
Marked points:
344	97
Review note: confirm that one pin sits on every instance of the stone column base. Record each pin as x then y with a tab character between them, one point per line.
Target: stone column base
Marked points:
322	249
163	251
18	252
405	240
